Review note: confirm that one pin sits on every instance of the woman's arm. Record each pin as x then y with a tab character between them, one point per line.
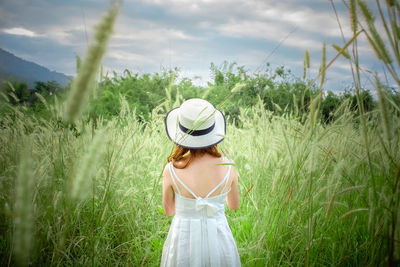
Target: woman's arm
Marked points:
168	193
233	196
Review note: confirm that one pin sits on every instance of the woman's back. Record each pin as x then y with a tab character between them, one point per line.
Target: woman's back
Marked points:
202	175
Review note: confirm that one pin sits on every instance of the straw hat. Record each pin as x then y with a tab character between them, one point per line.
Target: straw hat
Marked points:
195	124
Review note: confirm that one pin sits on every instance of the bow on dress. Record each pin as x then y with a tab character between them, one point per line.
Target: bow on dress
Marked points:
204	204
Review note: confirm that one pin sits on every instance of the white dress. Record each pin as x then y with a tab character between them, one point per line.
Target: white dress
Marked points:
199	234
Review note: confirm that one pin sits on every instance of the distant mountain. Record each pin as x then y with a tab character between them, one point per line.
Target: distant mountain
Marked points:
29	72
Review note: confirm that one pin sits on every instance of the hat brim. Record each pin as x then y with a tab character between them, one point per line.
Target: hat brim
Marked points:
176	135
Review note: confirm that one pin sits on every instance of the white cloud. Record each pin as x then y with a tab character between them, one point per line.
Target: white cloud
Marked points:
255	29
303	42
21	31
145	59
126	56
70	35
284	14
270	31
158	34
304	18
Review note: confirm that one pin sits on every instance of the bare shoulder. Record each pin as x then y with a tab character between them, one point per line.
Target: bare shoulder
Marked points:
166	173
231	162
166	176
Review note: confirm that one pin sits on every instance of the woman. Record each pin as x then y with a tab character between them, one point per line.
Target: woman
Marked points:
196	183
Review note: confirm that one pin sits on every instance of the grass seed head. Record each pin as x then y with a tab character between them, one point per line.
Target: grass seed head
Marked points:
353	16
23	205
89	66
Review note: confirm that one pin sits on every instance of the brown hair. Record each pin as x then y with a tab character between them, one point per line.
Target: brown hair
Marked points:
185	155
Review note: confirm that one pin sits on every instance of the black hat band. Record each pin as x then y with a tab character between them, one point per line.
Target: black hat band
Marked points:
196	132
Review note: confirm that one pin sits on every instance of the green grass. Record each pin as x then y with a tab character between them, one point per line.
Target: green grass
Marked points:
95	197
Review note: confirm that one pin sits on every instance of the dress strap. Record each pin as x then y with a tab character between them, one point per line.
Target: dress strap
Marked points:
227	179
224	180
173	174
173	178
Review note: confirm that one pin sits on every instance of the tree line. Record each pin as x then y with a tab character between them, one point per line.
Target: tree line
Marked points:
231	88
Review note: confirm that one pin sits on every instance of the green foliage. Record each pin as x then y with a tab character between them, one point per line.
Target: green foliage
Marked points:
232	89
18	93
277	88
47	88
330	103
142	92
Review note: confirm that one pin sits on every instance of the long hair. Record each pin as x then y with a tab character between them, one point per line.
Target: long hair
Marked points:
186	155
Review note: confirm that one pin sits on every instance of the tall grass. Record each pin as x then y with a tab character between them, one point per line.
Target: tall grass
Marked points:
305	191
23	205
383	206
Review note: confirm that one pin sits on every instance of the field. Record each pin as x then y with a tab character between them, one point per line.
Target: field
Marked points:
310	194
77	191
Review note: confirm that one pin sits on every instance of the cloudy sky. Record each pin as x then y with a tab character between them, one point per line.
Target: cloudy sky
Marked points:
152	35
